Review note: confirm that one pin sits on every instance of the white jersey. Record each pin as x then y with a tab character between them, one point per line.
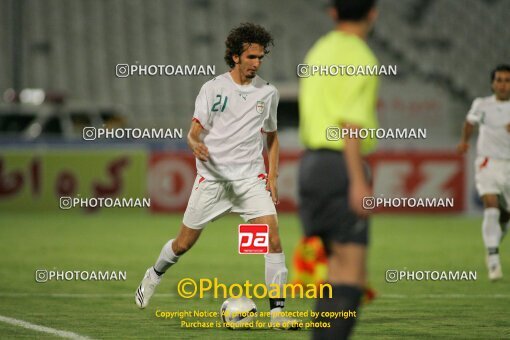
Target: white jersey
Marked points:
234	117
492	116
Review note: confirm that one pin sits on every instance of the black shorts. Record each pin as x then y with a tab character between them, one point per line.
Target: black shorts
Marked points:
324	200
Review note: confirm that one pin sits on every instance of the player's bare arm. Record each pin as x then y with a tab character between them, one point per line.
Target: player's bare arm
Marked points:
359	187
196	145
273	151
467	131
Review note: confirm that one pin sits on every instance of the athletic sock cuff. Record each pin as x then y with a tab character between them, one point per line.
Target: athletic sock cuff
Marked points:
170	252
492	212
275	257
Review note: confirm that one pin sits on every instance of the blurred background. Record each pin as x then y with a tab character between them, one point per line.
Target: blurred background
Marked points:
58	61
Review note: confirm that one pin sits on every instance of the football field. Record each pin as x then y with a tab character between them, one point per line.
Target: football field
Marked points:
130	242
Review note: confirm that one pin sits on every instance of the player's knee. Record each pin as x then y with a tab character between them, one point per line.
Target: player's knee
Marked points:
490	201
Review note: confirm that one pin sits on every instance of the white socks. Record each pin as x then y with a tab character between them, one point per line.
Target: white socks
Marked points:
276	273
491	230
166	258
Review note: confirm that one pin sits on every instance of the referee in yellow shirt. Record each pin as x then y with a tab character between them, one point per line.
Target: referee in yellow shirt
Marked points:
333	178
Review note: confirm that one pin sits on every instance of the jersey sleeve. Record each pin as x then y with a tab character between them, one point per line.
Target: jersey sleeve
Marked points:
270	124
474	115
202	111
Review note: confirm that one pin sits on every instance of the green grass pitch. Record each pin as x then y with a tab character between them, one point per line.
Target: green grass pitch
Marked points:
130	242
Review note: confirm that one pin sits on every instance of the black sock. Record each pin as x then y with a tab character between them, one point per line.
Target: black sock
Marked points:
345	298
158	273
274	303
493	251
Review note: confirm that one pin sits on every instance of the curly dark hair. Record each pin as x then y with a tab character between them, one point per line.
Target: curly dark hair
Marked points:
246	33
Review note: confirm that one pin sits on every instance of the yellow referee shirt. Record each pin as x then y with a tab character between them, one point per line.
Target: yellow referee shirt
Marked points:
328	100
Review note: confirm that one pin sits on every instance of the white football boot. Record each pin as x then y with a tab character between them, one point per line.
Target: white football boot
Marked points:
146	288
494	267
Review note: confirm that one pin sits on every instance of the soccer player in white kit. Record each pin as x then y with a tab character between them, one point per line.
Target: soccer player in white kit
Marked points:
233	112
492	165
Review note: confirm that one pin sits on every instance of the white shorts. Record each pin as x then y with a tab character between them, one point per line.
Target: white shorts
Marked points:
492	176
210	200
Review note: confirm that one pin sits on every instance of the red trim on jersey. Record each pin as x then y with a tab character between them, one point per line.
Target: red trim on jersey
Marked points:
202	178
196	120
262	176
484	163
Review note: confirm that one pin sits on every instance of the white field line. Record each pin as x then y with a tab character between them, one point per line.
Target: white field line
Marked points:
38	328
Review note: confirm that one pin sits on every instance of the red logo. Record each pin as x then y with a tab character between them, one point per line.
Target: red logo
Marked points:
253	239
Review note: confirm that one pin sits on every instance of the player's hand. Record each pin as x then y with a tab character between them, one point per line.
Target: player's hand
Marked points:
272	187
357	192
508	127
462	147
200	151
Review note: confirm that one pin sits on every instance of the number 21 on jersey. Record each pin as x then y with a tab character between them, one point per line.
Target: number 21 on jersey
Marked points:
219	102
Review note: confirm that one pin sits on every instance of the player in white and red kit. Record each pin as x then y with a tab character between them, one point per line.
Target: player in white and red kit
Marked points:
233	112
492	165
